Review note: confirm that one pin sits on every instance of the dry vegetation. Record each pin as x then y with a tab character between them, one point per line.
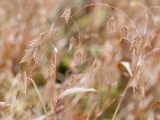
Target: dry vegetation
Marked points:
79	59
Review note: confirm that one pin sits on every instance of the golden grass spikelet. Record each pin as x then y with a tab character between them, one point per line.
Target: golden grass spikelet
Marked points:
71	81
136	46
135	78
66	14
112	22
137	84
72	43
23	83
124	32
141	61
33	51
79	56
51	73
50	95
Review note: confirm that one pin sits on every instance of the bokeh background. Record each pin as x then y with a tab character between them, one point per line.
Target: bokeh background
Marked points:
95	60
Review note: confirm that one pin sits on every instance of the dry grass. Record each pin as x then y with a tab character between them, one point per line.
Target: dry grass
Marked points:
79	60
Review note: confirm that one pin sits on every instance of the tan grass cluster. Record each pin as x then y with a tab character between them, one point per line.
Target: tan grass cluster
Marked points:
103	64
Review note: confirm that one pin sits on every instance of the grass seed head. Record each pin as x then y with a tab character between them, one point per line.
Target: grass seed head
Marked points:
66	14
112	23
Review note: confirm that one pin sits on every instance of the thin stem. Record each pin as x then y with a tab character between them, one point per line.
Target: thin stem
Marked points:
76	28
32	68
106	5
147	17
39	95
121	100
145	8
50	31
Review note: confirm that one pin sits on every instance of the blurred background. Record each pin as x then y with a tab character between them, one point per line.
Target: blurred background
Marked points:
95	50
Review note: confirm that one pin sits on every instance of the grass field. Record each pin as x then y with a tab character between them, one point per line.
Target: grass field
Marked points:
79	60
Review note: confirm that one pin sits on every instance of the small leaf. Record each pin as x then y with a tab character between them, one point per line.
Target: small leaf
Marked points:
127	66
76	90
